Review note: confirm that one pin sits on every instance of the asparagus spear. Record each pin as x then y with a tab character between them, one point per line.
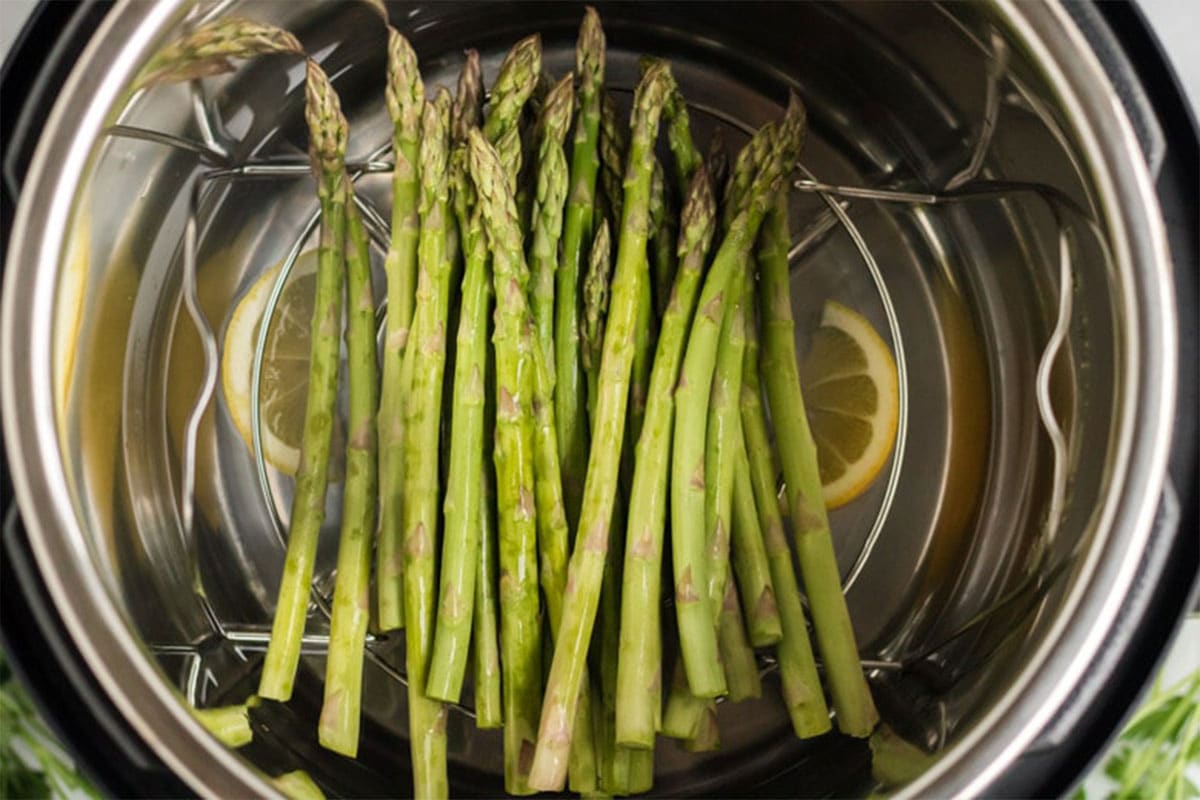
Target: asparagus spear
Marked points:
298	785
693	611
489	707
639	678
722	437
207	50
797	669
462	507
741	179
717	160
722	434
569	393
741	668
230	724
856	715
405	95
514	84
679	133
520	639
327	148
750	563
552	178
338	728
467	111
427	720
587	560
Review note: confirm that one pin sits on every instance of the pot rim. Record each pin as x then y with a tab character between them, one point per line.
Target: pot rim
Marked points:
155	710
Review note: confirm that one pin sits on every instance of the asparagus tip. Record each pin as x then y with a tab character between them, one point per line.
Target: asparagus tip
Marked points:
695	221
556	113
469	98
327	126
405	91
589	52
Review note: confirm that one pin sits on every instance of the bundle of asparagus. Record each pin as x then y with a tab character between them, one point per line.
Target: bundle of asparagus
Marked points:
614	389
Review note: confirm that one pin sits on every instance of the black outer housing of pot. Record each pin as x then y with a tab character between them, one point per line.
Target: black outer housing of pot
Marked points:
122	764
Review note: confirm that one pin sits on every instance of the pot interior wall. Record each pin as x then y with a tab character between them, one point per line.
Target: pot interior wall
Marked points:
955	528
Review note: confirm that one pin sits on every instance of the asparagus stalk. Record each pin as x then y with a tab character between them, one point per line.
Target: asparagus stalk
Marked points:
462	507
741	668
520	638
569	392
684	713
342	709
614	769
708	736
230	724
587	560
856	715
327	148
405	96
208	50
750	564
693	611
489	708
797	669
298	785
552	179
427	721
722	434
639	681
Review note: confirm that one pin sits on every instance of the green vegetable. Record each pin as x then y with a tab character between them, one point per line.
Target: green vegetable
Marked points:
569	393
327	148
342	709
405	96
591	544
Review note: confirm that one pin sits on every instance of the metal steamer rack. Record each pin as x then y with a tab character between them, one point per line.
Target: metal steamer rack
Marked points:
967	186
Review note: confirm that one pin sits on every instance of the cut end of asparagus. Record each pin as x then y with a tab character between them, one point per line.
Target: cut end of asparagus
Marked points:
327	126
207	50
405	91
468	102
589	52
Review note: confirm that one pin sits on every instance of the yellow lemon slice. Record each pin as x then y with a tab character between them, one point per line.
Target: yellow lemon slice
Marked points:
852	396
284	391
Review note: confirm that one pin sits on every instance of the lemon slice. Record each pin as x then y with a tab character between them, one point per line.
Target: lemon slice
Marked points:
284	391
852	397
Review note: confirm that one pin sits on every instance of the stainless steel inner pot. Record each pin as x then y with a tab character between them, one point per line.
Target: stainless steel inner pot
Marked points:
985	566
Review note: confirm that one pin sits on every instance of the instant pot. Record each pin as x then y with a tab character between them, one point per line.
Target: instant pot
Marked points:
1007	190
